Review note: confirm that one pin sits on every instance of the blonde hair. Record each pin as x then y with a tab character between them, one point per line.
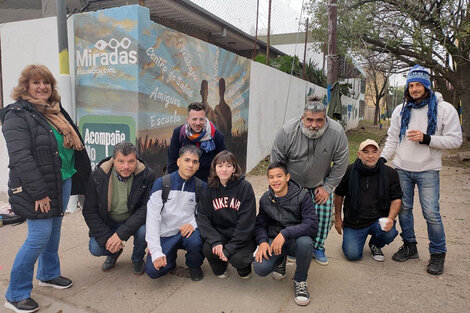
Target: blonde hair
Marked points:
35	71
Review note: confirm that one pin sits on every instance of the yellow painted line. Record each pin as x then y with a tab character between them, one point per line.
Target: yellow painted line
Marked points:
64	62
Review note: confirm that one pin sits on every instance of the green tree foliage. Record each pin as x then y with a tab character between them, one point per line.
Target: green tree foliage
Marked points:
432	33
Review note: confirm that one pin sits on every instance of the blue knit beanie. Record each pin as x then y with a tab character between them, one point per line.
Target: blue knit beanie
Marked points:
419	74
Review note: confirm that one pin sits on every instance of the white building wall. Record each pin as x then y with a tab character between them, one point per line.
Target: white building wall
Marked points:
24	43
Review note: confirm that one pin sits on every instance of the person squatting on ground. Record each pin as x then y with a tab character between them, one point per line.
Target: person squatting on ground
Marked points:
226	217
198	131
171	222
315	150
285	225
48	163
371	192
116	206
420	129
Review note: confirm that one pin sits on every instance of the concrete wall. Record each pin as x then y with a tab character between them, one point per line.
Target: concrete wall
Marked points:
24	43
275	97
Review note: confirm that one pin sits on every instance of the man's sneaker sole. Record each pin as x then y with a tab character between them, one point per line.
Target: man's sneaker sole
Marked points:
10	306
44	284
278	276
246	276
378	258
321	262
301	302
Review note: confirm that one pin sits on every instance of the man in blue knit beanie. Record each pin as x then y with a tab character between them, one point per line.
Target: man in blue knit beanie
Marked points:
420	129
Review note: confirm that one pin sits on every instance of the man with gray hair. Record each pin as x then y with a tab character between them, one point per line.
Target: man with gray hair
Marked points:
116	206
314	148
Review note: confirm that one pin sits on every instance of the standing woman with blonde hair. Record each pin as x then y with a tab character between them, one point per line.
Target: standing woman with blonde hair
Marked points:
48	163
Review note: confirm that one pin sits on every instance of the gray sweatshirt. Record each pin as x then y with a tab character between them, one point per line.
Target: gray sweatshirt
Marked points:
312	162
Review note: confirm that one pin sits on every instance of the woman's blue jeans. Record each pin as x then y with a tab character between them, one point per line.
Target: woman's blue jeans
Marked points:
428	190
42	244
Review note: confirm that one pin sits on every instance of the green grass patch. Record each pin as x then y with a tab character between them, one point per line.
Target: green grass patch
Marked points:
365	130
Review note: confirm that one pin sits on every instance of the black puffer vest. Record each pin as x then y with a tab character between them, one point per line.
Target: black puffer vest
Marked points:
35	162
285	214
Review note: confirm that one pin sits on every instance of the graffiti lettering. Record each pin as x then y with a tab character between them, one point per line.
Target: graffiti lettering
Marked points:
179	82
158	60
164	97
187	60
155	121
103	138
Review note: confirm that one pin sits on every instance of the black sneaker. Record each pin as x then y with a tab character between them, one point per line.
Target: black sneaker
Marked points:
376	253
436	264
406	252
23	306
139	267
196	273
110	261
279	272
301	295
57	283
245	273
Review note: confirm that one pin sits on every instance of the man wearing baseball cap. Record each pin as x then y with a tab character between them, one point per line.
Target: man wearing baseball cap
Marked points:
420	129
372	195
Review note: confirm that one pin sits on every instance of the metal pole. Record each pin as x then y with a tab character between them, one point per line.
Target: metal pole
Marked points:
332	34
305	52
269	31
64	77
256	31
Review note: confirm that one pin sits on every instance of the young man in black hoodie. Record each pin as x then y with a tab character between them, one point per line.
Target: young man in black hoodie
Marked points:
285	225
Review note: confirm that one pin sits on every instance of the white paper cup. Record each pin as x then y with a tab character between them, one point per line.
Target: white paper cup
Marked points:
382	222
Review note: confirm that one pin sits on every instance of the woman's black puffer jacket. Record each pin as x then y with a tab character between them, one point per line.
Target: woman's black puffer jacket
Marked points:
35	162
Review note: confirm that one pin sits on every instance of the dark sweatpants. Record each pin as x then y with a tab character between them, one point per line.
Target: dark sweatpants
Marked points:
241	260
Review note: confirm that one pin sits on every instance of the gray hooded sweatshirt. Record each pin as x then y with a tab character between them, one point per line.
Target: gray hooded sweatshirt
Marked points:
312	162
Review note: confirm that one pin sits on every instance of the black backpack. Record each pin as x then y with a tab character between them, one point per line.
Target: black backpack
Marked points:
166	187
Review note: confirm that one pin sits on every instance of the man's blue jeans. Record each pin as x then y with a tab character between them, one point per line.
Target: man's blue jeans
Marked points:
139	244
170	246
41	243
301	248
355	238
428	190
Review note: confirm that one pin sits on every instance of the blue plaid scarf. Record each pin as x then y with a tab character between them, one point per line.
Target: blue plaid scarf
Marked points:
405	113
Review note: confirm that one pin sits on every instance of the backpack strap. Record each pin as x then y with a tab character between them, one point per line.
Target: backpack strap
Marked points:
198	188
166	187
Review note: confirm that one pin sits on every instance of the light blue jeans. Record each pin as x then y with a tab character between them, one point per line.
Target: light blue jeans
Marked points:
42	244
428	190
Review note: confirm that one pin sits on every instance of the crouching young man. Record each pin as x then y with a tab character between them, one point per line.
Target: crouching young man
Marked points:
285	225
171	220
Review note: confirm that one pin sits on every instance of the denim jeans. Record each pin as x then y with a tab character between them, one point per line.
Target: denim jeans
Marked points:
42	244
355	238
170	246
301	248
139	244
428	190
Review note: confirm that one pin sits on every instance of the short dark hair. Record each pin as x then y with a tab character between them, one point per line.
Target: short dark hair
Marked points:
125	148
280	165
191	149
196	106
222	157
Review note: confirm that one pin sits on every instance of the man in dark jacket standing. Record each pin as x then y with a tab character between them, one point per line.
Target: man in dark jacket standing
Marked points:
285	225
198	131
373	200
116	206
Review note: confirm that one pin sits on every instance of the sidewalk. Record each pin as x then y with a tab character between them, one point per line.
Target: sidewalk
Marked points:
342	286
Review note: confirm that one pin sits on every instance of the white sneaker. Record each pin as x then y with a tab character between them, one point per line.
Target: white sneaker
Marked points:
224	275
301	295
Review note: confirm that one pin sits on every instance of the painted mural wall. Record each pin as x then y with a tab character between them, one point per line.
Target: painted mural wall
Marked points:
135	80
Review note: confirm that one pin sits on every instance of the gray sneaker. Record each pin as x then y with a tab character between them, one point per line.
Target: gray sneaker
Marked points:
301	295
376	253
279	272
